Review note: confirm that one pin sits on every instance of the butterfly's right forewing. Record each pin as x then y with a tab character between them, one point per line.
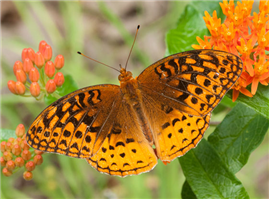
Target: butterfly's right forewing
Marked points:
75	124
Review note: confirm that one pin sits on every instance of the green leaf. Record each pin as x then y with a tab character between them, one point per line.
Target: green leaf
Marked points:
6	134
259	102
189	26
208	176
241	131
68	87
187	192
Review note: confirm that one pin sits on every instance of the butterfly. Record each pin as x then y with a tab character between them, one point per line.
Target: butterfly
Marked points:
123	130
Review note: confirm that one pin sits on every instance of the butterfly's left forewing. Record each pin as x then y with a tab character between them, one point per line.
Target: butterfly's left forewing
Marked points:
193	81
77	124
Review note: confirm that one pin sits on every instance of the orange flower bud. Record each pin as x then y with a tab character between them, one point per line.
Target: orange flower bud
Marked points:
10	165
27	175
34	75
38	152
31	54
19	162
59	79
11	140
50	86
59	62
20	88
16	150
42	46
6	172
17	65
12	86
2	162
39	59
24	145
24	54
30	166
20	130
27	65
38	159
47	53
9	146
49	69
3	146
21	76
7	156
26	155
35	89
19	140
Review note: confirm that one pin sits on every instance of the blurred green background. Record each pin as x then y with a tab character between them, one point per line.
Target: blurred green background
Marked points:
105	32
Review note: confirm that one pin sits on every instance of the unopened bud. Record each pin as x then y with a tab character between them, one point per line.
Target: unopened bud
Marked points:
6	172
42	46
16	66
20	88
19	161
59	79
47	53
34	89
39	59
38	159
10	165
31	54
59	62
21	76
12	86
27	175
30	166
34	75
20	130
26	155
2	162
49	69
27	65
50	86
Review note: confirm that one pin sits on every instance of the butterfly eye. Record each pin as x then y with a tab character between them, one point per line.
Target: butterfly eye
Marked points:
129	74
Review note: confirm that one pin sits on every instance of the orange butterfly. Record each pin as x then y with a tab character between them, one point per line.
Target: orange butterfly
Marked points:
114	127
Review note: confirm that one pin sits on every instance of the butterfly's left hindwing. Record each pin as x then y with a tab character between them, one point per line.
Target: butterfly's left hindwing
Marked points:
75	124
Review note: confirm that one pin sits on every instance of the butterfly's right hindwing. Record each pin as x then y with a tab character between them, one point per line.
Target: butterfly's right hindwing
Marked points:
72	124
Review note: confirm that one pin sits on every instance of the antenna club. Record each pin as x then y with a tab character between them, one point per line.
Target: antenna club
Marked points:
79	52
138	26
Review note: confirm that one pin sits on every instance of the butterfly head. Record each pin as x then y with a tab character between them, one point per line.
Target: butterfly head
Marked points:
125	75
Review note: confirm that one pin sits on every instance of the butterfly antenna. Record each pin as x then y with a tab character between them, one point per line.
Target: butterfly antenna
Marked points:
132	46
97	61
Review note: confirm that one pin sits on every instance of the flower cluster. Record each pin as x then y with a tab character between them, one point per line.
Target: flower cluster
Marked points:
245	36
36	72
16	154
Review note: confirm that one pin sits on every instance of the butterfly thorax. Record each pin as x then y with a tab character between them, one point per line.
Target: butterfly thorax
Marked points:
129	86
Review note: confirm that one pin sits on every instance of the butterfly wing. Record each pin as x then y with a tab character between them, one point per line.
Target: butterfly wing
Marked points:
77	124
94	123
179	93
125	150
193	81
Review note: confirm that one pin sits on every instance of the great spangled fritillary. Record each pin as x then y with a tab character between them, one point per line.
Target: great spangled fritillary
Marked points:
114	127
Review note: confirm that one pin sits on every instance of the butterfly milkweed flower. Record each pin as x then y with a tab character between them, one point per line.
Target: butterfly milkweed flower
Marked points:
17	154
244	35
36	71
